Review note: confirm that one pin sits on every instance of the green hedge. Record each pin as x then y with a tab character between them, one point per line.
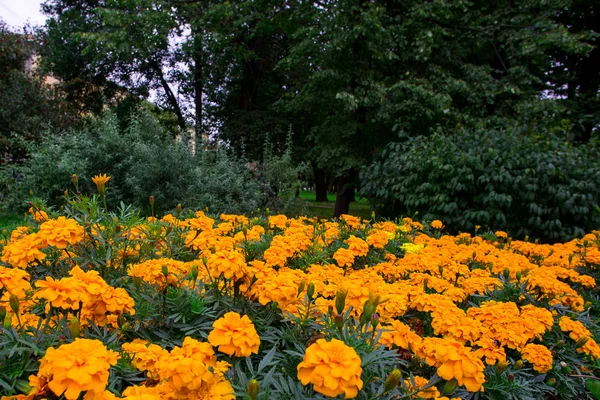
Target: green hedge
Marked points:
143	160
499	180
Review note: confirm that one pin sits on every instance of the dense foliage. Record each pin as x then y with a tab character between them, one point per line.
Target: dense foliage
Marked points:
346	74
495	179
145	161
212	307
28	106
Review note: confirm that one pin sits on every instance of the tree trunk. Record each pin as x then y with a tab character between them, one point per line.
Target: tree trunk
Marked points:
170	96
198	84
320	183
345	193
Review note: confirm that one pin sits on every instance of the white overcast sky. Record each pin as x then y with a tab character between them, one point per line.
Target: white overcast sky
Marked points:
17	12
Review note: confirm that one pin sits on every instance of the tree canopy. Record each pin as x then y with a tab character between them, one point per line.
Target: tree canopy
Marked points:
348	76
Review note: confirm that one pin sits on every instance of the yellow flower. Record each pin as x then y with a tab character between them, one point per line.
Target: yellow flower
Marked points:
332	367
539	356
502	234
38	215
235	335
21	252
343	257
188	368
453	361
429	393
76	367
100	181
145	355
230	264
60	232
437	224
65	293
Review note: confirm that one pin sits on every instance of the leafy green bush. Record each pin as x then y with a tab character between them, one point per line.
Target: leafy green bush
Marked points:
496	179
143	160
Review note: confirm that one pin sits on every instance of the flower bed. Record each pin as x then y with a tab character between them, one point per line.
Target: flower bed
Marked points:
189	306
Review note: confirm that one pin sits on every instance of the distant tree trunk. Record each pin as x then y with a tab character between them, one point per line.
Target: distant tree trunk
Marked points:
198	85
320	183
589	84
345	193
171	98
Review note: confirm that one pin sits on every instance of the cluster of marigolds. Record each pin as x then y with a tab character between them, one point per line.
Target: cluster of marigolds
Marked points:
434	274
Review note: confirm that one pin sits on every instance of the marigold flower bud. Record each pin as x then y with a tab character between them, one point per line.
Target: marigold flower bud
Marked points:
551	382
301	287
339	321
340	301
2	313
450	386
253	388
518	365
518	274
506	273
310	291
194	272
375	320
501	366
151	200
75	180
392	380
580	343
74	327
7	323
560	344
165	270
13	301
178	208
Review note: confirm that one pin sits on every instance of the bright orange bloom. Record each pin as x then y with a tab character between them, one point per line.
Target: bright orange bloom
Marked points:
65	293
21	252
235	335
145	355
60	232
100	181
539	356
332	367
77	367
230	264
437	224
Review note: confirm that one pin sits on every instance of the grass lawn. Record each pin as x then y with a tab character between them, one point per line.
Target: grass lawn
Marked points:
10	222
360	207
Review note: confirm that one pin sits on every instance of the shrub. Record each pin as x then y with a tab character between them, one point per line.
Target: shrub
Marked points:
496	179
143	161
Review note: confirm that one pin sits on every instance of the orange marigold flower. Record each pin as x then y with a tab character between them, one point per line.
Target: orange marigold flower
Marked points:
343	257
453	361
502	234
437	224
21	252
65	293
235	335
14	281
357	246
145	355
38	215
60	232
332	367
188	368
429	393
230	264
100	182
539	356
77	367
